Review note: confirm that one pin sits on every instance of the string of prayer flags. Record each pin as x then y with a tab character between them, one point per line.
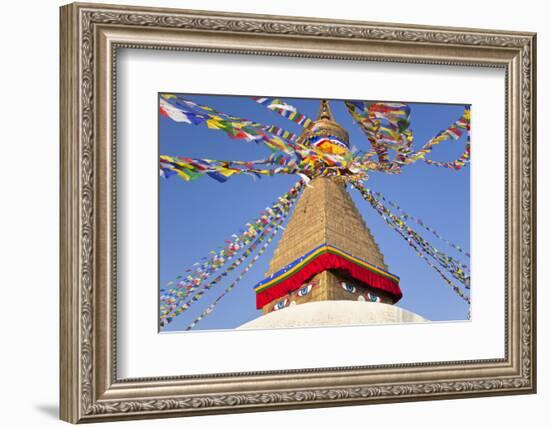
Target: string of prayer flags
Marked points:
386	126
182	303
406	216
181	109
275	130
453	266
174	305
179	115
221	170
456	164
176	296
244	236
397	114
306	161
453	132
421	246
285	110
185	104
448	281
232	286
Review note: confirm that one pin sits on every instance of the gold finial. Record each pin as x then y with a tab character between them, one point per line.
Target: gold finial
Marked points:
324	111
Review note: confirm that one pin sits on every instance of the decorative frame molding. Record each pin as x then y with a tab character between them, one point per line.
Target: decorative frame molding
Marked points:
90	36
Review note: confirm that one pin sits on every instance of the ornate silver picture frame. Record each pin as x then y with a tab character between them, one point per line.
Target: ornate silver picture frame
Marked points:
92	36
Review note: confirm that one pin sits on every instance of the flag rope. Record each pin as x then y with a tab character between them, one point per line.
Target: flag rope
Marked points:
420	245
407	216
212	306
180	297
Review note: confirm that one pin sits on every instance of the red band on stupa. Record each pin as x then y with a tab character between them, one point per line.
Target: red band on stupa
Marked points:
324	258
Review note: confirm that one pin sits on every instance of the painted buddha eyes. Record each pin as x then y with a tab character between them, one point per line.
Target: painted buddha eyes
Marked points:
305	290
366	297
372	297
302	292
281	304
349	288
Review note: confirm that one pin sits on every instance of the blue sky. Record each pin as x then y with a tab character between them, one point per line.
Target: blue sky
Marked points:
197	217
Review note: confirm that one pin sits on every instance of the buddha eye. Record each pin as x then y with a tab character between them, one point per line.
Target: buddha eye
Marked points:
372	297
281	304
305	290
349	288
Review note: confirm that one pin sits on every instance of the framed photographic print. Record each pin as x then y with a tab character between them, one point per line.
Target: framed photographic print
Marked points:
325	253
265	212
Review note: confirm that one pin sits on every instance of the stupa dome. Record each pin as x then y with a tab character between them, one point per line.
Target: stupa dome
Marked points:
334	313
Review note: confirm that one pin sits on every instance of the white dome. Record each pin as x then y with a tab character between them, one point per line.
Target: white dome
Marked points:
333	313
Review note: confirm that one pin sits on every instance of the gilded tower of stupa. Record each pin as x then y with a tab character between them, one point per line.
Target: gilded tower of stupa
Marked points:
327	254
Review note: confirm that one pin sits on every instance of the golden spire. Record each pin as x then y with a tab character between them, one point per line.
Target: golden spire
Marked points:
326	216
324	111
